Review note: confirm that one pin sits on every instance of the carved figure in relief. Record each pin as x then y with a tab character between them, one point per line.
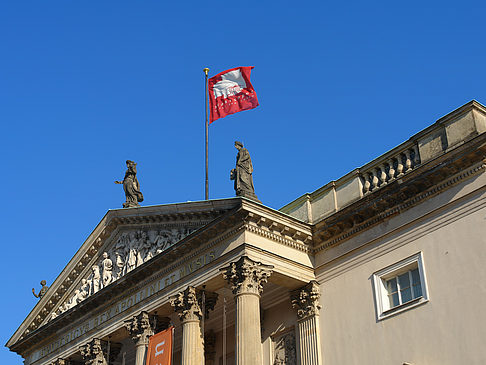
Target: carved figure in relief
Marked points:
163	241
143	248
84	290
43	290
121	250
132	252
242	174
96	278
131	186
107	266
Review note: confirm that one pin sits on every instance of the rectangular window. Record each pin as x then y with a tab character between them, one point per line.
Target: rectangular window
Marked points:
400	286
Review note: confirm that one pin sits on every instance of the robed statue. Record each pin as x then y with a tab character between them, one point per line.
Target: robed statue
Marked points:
131	186
242	174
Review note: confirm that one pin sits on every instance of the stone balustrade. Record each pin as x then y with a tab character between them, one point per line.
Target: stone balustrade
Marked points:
390	166
448	132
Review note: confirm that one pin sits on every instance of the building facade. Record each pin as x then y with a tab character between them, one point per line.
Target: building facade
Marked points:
382	266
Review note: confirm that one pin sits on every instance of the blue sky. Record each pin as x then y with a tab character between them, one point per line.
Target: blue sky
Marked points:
86	85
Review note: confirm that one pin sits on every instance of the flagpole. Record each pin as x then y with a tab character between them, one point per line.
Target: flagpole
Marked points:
206	70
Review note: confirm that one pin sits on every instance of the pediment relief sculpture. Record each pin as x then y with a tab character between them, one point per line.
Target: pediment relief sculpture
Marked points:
130	250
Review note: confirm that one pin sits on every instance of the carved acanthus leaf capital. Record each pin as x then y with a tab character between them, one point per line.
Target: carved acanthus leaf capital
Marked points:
247	276
186	304
306	300
92	353
60	362
140	328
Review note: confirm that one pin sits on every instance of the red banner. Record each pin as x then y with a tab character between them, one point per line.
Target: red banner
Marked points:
230	92
160	348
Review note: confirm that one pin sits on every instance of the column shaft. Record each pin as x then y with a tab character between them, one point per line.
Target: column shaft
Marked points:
248	335
192	345
140	351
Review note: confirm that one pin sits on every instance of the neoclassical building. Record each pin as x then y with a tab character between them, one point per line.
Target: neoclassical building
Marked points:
385	265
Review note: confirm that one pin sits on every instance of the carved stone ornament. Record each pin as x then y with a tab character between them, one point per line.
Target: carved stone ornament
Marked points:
60	362
242	174
186	304
92	353
43	290
247	276
140	328
284	349
306	300
131	250
131	186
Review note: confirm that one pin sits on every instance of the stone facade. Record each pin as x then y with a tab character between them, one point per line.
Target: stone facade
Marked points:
379	267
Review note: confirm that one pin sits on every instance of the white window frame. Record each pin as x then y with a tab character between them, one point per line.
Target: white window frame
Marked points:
383	309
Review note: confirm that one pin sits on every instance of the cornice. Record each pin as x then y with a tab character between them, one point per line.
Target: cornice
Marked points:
428	180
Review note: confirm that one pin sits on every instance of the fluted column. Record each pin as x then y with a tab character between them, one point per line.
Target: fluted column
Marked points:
140	328
187	306
306	301
247	278
92	353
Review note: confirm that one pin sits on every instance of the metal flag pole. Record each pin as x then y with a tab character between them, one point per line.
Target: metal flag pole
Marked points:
206	70
224	330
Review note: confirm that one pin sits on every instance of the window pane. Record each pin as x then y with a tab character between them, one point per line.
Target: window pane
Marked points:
417	290
404	281
406	295
393	300
391	286
415	276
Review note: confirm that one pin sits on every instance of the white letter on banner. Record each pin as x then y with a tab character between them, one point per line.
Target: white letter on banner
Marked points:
157	352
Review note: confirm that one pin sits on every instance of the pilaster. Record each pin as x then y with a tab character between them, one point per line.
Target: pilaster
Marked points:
306	301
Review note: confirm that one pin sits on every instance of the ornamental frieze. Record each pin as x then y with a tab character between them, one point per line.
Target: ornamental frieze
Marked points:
130	250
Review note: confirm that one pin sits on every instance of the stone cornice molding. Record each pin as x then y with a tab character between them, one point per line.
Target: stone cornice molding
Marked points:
306	300
246	276
140	328
186	305
402	194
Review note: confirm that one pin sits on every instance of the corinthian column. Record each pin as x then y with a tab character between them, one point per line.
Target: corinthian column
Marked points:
247	278
306	301
140	328
187	306
92	353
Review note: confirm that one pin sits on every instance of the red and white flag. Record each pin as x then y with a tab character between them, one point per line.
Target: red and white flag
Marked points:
231	92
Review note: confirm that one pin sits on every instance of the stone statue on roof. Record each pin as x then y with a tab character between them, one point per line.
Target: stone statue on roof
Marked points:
43	290
131	186
242	174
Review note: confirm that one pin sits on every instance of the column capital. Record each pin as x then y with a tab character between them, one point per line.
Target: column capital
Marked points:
92	353
60	362
186	305
140	328
246	276
306	300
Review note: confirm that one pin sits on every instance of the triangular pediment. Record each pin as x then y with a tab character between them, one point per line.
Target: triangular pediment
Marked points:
124	240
